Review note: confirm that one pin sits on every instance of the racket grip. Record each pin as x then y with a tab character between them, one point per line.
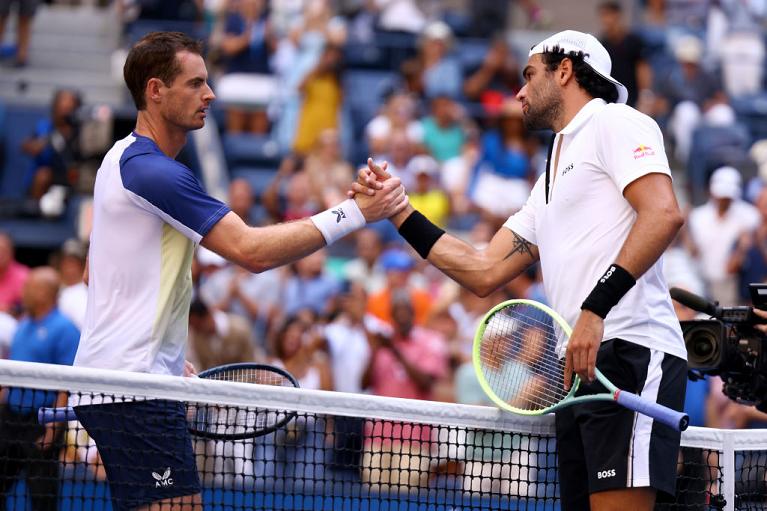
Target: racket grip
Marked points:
672	418
48	415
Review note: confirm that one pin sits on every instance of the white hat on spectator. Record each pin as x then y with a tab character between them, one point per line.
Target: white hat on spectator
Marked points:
725	183
688	49
594	54
438	30
423	164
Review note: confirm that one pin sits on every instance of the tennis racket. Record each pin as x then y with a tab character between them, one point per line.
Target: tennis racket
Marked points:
219	421
515	360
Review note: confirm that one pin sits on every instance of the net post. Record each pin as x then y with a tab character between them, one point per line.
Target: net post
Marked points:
728	470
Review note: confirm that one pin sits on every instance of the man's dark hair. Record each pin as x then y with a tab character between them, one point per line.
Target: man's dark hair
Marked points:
592	82
154	56
612	6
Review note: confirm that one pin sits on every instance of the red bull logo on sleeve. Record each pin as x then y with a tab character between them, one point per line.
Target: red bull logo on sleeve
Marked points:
642	151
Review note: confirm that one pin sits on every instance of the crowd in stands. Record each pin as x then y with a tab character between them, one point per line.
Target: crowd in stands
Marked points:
306	90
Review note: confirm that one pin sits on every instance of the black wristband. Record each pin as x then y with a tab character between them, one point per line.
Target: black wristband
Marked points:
420	233
609	290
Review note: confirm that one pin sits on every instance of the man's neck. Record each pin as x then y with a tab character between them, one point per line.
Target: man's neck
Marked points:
38	313
169	139
570	108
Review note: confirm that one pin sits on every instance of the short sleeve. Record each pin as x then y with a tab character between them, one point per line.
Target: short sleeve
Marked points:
630	145
523	221
168	189
66	346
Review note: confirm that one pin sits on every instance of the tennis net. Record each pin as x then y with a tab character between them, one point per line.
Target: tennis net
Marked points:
338	451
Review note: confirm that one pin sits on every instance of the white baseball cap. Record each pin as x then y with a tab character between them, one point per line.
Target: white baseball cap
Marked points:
725	183
594	54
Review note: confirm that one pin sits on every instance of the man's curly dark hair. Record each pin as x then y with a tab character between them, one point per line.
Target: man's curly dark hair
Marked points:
594	84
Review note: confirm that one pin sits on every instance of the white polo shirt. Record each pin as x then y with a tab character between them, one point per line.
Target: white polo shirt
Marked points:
580	230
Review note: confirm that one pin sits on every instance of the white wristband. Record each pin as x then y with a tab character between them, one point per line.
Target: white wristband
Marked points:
335	223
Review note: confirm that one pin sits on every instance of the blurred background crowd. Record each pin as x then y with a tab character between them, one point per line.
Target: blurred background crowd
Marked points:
306	90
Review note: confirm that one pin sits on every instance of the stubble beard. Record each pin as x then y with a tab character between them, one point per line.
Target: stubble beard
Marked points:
544	115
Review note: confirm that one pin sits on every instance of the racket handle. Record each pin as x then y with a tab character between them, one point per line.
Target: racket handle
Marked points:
48	415
672	418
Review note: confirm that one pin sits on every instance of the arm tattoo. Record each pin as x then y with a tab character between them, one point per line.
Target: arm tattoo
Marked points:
521	246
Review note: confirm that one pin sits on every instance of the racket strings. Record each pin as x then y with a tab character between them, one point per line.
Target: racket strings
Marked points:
228	420
521	346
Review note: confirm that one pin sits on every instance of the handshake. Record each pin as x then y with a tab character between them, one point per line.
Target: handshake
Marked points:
379	195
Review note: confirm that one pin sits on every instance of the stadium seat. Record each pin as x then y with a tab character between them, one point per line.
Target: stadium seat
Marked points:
23	118
713	147
752	112
243	150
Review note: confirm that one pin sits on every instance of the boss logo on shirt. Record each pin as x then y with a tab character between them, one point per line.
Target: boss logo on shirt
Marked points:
339	214
568	169
642	151
604	474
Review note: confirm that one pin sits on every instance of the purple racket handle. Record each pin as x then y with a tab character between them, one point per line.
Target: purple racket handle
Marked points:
672	418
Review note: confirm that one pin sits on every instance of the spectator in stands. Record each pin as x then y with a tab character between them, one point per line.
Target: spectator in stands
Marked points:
426	194
627	52
366	269
297	202
715	227
398	154
54	146
241	199
244	46
398	115
310	286
298	348
399	266
443	134
328	172
255	296
347	339
504	172
46	336
322	99
434	72
73	296
13	275
408	363
691	95
749	258
498	78
217	338
405	364
26	12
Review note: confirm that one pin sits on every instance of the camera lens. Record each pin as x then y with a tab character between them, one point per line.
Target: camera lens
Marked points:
703	346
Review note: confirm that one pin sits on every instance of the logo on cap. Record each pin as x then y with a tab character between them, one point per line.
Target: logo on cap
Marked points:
642	151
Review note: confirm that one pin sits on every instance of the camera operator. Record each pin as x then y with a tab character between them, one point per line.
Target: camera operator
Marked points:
54	147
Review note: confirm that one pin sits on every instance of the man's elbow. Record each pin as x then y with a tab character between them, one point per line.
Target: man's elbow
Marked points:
675	219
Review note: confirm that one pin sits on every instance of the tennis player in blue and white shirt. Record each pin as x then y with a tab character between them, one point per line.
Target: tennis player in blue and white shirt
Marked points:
149	214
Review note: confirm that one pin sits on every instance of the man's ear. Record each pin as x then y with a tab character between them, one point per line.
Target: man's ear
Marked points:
565	71
153	90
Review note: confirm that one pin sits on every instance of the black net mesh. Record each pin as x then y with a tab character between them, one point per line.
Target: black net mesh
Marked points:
314	461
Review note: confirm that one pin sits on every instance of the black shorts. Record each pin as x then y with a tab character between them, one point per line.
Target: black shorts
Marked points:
146	449
604	446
